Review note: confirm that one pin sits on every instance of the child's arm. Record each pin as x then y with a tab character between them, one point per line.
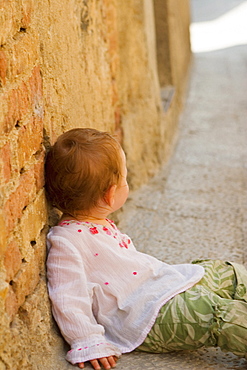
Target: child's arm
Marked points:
72	304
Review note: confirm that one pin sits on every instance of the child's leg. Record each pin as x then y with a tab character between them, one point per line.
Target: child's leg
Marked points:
226	279
196	318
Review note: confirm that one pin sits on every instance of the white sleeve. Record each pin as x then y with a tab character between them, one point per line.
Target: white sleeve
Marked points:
72	303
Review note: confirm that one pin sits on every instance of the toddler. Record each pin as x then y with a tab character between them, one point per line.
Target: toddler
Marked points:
107	297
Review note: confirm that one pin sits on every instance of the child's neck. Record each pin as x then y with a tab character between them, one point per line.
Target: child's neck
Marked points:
95	220
95	217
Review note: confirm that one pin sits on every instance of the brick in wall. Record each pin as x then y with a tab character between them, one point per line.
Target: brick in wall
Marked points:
26	280
15	17
12	260
32	222
29	141
5	164
22	101
19	199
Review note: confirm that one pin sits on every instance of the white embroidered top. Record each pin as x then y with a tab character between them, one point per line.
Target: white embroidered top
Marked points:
105	294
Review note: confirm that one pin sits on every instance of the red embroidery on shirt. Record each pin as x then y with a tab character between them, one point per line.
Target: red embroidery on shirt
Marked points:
123	245
79	231
134	273
108	232
96	254
93	230
112	224
106	283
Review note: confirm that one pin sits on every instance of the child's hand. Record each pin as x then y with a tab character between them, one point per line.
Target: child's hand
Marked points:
107	362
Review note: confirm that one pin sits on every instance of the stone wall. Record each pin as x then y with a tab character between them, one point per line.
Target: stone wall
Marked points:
65	64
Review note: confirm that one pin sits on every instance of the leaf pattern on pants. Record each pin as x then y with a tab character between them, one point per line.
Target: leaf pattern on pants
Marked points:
211	313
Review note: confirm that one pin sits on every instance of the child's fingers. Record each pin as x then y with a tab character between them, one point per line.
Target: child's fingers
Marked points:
104	361
107	362
95	364
112	361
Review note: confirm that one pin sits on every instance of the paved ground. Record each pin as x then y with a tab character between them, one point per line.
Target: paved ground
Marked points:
196	206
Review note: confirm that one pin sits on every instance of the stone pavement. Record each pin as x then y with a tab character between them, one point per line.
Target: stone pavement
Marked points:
196	205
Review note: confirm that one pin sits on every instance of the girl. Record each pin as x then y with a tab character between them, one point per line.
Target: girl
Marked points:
107	297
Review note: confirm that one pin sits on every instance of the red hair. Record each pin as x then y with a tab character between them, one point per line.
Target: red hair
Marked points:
80	167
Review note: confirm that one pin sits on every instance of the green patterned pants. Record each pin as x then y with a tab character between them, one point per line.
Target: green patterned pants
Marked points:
213	313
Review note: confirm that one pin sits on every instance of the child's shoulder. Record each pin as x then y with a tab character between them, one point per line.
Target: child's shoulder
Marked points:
92	227
65	229
67	236
83	229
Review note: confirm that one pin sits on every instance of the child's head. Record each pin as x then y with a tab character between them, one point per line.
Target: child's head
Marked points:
80	168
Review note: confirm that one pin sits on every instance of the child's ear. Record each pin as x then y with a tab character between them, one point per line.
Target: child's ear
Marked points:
110	195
